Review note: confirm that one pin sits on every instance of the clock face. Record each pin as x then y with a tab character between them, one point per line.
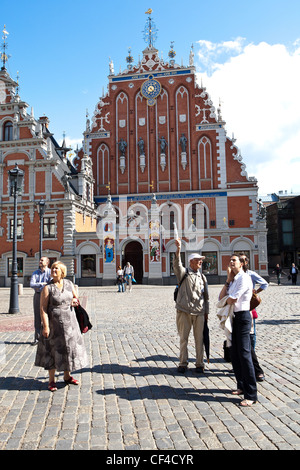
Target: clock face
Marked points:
151	89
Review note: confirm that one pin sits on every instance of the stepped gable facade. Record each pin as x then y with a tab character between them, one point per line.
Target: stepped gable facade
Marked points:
161	158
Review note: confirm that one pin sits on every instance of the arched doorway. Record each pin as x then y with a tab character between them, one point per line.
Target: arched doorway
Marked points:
134	254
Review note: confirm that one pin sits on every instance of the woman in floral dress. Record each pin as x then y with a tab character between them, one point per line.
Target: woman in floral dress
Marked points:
61	346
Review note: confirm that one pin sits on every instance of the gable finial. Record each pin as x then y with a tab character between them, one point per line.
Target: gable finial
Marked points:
150	30
4	56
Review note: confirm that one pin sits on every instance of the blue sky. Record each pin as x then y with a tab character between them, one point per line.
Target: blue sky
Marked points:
247	54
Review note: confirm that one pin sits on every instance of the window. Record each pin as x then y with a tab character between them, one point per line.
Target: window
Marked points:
287	232
11	229
172	220
205	163
19	267
8	131
49	227
172	257
198	216
88	265
210	263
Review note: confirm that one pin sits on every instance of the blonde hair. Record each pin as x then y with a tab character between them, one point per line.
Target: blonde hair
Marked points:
62	267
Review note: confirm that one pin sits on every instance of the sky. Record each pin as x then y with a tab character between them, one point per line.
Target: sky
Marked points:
247	55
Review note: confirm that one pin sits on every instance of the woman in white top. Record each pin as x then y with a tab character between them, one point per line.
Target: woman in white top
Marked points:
120	280
238	288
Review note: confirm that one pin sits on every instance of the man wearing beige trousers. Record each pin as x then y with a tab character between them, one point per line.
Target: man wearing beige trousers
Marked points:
192	305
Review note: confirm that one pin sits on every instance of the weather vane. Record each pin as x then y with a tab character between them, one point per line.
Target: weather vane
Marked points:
150	30
4	57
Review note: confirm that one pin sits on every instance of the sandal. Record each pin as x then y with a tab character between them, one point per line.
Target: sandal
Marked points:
71	381
247	402
52	387
237	392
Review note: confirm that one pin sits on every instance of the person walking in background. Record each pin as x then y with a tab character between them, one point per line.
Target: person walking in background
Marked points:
192	305
278	272
129	275
61	346
120	279
294	274
238	289
38	280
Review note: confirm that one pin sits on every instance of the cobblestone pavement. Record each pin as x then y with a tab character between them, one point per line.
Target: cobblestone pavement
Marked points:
131	397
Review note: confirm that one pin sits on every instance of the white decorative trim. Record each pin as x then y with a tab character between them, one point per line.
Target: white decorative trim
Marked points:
221	158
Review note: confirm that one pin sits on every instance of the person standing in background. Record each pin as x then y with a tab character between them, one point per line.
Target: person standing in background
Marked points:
294	274
129	275
38	280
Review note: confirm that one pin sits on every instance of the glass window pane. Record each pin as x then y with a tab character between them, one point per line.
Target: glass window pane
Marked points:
287	239
210	263
287	225
19	267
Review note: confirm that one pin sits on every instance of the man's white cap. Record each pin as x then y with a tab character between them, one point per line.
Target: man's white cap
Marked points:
195	255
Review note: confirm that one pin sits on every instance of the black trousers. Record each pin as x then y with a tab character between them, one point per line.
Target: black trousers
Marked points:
37	315
241	355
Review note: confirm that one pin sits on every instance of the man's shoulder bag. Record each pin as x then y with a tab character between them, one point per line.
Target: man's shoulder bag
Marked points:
177	287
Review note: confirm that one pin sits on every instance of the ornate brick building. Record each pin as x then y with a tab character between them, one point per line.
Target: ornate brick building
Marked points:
48	176
159	163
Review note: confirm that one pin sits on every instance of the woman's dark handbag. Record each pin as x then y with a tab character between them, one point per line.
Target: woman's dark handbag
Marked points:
83	319
255	301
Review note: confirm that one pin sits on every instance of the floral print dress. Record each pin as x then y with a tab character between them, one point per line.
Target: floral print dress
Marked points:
64	348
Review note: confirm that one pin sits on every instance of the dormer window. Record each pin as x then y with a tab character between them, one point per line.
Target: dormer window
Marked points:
8	131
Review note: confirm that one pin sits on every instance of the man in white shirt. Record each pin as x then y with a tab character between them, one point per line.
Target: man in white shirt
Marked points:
238	288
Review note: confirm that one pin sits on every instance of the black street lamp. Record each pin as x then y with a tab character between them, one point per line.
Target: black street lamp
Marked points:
15	179
42	208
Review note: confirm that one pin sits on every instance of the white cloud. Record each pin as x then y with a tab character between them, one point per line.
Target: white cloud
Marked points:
259	90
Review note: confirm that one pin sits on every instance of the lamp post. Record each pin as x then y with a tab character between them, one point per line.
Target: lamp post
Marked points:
15	179
42	208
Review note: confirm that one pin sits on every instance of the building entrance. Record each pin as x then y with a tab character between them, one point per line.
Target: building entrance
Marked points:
134	254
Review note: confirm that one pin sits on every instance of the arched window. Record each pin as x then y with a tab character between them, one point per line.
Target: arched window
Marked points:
205	163
172	220
102	166
198	216
8	131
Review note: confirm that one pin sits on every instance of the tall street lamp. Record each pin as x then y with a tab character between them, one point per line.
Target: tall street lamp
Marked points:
15	179
42	208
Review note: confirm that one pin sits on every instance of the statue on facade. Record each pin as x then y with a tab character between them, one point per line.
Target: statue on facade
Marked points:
111	67
141	146
182	142
163	145
261	210
122	146
66	180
